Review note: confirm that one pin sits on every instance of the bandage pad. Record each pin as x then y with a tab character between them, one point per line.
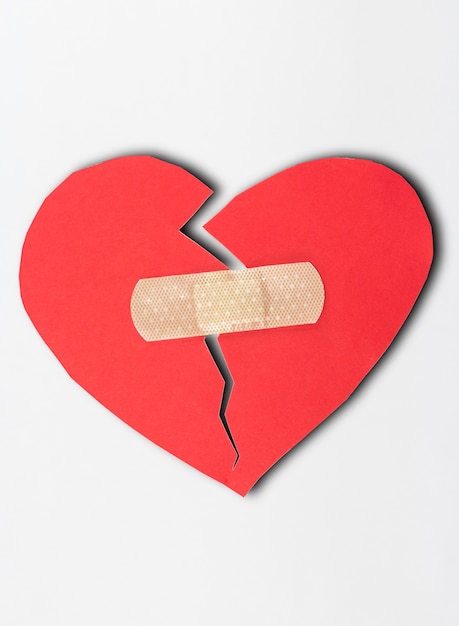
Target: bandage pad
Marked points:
211	303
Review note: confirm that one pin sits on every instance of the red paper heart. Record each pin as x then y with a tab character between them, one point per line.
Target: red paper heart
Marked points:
360	224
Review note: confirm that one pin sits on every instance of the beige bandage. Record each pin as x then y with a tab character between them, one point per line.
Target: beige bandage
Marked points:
210	303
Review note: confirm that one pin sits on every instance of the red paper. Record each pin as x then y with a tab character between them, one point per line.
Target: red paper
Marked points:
360	224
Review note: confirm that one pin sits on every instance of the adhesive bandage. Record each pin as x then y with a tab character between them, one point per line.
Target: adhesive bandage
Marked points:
190	305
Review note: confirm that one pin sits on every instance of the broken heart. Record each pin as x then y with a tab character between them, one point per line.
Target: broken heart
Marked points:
106	227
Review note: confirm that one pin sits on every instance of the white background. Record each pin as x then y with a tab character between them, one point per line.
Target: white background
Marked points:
359	524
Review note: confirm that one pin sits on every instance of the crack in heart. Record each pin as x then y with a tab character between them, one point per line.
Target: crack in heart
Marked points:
194	230
216	352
